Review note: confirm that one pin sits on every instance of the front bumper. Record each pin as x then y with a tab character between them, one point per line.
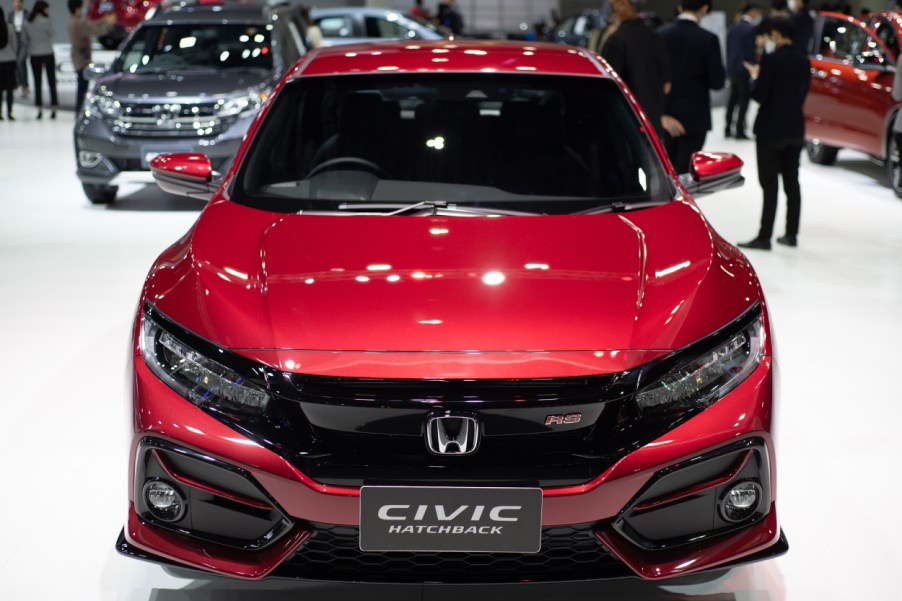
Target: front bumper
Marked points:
599	529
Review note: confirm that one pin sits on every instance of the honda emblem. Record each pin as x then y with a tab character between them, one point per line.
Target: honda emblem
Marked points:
452	434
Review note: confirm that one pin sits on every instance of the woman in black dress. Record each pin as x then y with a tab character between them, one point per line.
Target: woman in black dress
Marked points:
9	81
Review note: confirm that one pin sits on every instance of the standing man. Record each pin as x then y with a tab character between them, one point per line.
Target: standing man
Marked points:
740	50
80	32
696	69
450	18
804	25
780	85
17	20
638	54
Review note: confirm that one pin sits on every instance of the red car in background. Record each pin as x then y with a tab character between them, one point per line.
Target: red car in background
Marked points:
451	316
128	14
850	103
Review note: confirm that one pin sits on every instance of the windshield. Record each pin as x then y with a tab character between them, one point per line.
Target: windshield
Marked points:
193	46
518	143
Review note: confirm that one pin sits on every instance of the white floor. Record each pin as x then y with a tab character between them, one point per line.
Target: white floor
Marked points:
70	279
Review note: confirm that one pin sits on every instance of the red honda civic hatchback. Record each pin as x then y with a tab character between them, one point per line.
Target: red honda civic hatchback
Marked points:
451	317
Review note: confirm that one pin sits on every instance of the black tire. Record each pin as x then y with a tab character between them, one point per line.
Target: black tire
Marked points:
821	153
100	194
894	164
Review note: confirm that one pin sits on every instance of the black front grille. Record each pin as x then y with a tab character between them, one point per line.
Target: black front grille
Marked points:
568	553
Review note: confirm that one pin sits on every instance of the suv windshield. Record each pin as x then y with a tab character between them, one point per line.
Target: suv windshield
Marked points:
517	143
194	46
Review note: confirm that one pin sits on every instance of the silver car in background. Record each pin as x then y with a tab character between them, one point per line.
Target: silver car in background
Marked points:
351	25
188	79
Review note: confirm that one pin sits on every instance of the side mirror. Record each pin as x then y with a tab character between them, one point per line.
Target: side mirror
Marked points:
94	72
711	172
185	173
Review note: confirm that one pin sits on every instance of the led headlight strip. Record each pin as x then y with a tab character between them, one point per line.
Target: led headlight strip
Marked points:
704	372
194	375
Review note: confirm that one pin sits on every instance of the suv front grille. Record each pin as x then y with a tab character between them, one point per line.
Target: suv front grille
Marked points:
155	120
568	553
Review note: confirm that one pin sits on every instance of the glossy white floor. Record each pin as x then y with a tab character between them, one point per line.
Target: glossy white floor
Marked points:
73	272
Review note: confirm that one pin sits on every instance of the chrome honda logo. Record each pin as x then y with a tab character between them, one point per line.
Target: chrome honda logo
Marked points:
167	114
452	434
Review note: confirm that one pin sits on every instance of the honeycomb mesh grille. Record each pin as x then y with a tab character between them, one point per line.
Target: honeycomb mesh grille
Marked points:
568	553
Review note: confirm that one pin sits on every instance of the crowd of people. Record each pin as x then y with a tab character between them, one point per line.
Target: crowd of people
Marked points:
26	38
672	70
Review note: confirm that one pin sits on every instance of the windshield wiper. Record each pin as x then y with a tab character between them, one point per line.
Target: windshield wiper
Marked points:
433	207
621	207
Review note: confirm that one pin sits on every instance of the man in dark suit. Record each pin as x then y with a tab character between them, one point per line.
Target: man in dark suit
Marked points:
696	68
740	49
639	56
804	25
780	86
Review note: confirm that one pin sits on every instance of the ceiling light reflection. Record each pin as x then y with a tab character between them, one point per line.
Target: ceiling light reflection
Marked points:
493	278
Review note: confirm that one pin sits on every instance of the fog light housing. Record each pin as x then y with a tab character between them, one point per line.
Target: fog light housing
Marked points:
89	159
164	501
741	501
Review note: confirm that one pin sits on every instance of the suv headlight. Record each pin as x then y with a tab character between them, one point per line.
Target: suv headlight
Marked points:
702	376
195	376
101	104
250	101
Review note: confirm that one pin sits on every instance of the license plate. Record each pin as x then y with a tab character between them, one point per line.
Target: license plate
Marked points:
106	7
438	519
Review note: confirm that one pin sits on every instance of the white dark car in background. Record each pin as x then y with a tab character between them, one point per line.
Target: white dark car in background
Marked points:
351	25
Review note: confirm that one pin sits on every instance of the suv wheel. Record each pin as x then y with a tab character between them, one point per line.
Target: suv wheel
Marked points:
894	165
100	194
821	153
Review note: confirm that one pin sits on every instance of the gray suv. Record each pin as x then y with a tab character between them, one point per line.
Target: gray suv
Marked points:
189	79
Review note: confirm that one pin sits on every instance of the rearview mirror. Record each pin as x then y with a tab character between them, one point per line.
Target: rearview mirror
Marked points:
711	172
184	173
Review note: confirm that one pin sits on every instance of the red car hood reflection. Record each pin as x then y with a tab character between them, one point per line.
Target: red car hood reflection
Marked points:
653	279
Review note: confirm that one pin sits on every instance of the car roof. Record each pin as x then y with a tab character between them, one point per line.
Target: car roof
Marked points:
486	56
206	13
372	11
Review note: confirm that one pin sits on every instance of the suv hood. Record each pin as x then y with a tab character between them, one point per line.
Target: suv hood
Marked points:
181	86
648	280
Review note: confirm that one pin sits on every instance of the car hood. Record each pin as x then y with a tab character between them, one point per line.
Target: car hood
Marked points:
181	86
652	280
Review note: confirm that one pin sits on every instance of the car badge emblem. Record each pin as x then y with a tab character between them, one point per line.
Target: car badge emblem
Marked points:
167	114
452	434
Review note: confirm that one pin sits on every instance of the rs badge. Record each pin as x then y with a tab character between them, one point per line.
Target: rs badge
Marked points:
558	420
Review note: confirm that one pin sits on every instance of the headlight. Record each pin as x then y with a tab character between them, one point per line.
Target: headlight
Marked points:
198	378
704	377
100	104
237	105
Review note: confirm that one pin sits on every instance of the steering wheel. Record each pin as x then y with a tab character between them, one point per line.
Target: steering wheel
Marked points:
353	162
